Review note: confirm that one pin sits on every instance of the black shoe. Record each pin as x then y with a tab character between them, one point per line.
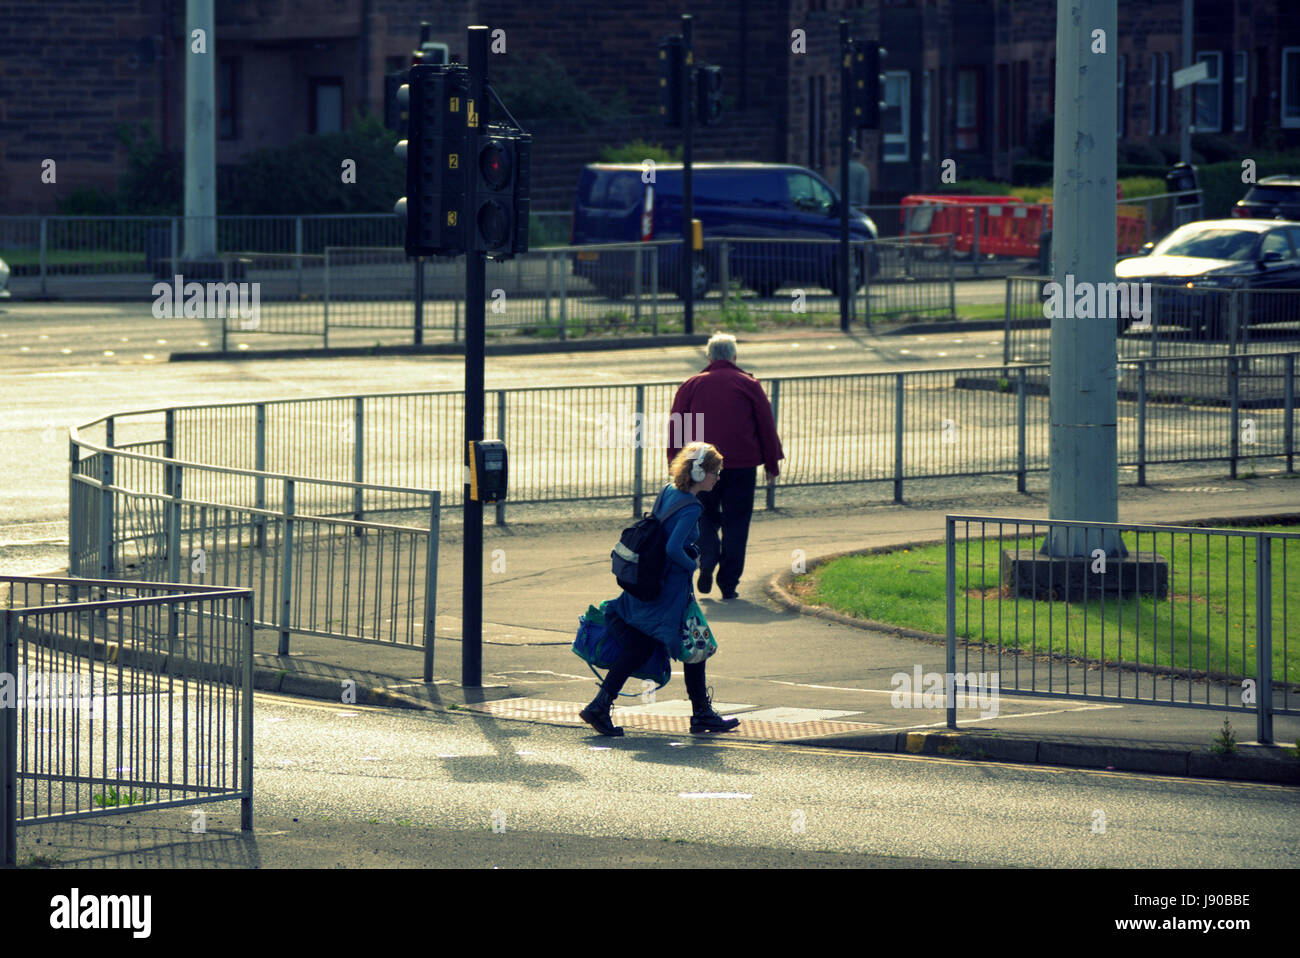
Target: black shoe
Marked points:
706	581
597	715
707	720
729	594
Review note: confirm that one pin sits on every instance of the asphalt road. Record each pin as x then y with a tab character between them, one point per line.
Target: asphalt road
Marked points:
350	786
67	364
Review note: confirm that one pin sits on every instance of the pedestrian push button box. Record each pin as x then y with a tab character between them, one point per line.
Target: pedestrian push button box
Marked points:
488	468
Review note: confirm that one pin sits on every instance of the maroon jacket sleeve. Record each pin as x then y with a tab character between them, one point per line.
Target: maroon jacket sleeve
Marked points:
681	406
768	440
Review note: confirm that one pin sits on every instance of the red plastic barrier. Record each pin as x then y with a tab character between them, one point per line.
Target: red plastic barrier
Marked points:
1007	226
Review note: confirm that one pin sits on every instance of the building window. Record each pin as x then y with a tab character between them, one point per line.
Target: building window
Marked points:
1120	102
1291	86
1209	94
1002	104
326	105
1158	79
1020	102
968	108
926	87
1051	90
1166	69
1240	71
895	120
816	115
1153	69
228	98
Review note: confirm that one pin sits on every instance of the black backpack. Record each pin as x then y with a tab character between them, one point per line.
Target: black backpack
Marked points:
639	558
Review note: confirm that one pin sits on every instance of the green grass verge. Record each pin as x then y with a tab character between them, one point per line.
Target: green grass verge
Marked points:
62	257
982	311
1200	625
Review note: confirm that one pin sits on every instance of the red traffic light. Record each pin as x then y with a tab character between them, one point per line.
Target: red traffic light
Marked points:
494	165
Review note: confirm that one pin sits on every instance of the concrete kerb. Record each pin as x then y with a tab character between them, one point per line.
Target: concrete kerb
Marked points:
288	682
778	589
1250	763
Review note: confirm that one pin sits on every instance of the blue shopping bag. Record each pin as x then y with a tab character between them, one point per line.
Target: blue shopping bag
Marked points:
598	645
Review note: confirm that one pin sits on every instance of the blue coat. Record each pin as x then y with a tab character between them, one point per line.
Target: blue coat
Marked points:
662	619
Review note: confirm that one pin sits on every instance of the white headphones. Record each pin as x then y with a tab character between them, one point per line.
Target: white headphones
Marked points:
697	467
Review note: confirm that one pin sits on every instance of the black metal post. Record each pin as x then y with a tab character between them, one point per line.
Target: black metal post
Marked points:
419	300
471	665
845	100
688	206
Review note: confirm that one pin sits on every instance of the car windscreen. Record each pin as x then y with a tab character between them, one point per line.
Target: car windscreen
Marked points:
614	190
1275	194
1216	243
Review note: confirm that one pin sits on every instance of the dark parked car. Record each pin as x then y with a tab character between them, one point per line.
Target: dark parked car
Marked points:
1273	197
780	202
1218	254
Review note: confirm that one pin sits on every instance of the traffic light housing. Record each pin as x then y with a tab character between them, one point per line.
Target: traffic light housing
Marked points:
866	85
500	175
435	151
708	95
671	76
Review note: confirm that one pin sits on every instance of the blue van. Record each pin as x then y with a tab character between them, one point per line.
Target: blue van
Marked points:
749	200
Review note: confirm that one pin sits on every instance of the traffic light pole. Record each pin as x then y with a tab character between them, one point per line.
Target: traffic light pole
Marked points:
688	205
471	667
419	299
845	100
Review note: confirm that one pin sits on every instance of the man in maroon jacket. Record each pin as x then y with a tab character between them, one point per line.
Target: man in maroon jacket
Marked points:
729	405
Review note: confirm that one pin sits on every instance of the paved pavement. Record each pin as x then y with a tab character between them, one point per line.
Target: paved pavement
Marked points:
789	676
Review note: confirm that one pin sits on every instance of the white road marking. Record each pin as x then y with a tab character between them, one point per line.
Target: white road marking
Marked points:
714	795
792	715
678	707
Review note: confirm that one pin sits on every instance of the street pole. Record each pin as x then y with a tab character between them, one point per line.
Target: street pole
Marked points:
845	99
1189	92
419	299
1083	455
688	206
200	133
471	667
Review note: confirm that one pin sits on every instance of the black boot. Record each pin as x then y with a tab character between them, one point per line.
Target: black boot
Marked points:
597	714
707	720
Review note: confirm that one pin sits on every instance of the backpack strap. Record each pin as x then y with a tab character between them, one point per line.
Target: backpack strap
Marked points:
673	510
676	508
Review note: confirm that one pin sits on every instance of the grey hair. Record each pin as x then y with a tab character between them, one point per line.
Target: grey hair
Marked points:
722	346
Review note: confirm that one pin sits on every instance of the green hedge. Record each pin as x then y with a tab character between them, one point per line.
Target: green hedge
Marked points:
301	178
1221	183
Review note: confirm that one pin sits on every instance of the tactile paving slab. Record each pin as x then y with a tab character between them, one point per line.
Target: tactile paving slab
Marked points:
541	710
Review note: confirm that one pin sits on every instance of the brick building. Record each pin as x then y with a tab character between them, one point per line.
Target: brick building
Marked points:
969	80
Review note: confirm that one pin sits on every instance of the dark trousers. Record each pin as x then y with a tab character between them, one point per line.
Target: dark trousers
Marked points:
727	509
637	648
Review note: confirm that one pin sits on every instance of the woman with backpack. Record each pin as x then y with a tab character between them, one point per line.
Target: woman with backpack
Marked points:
639	624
